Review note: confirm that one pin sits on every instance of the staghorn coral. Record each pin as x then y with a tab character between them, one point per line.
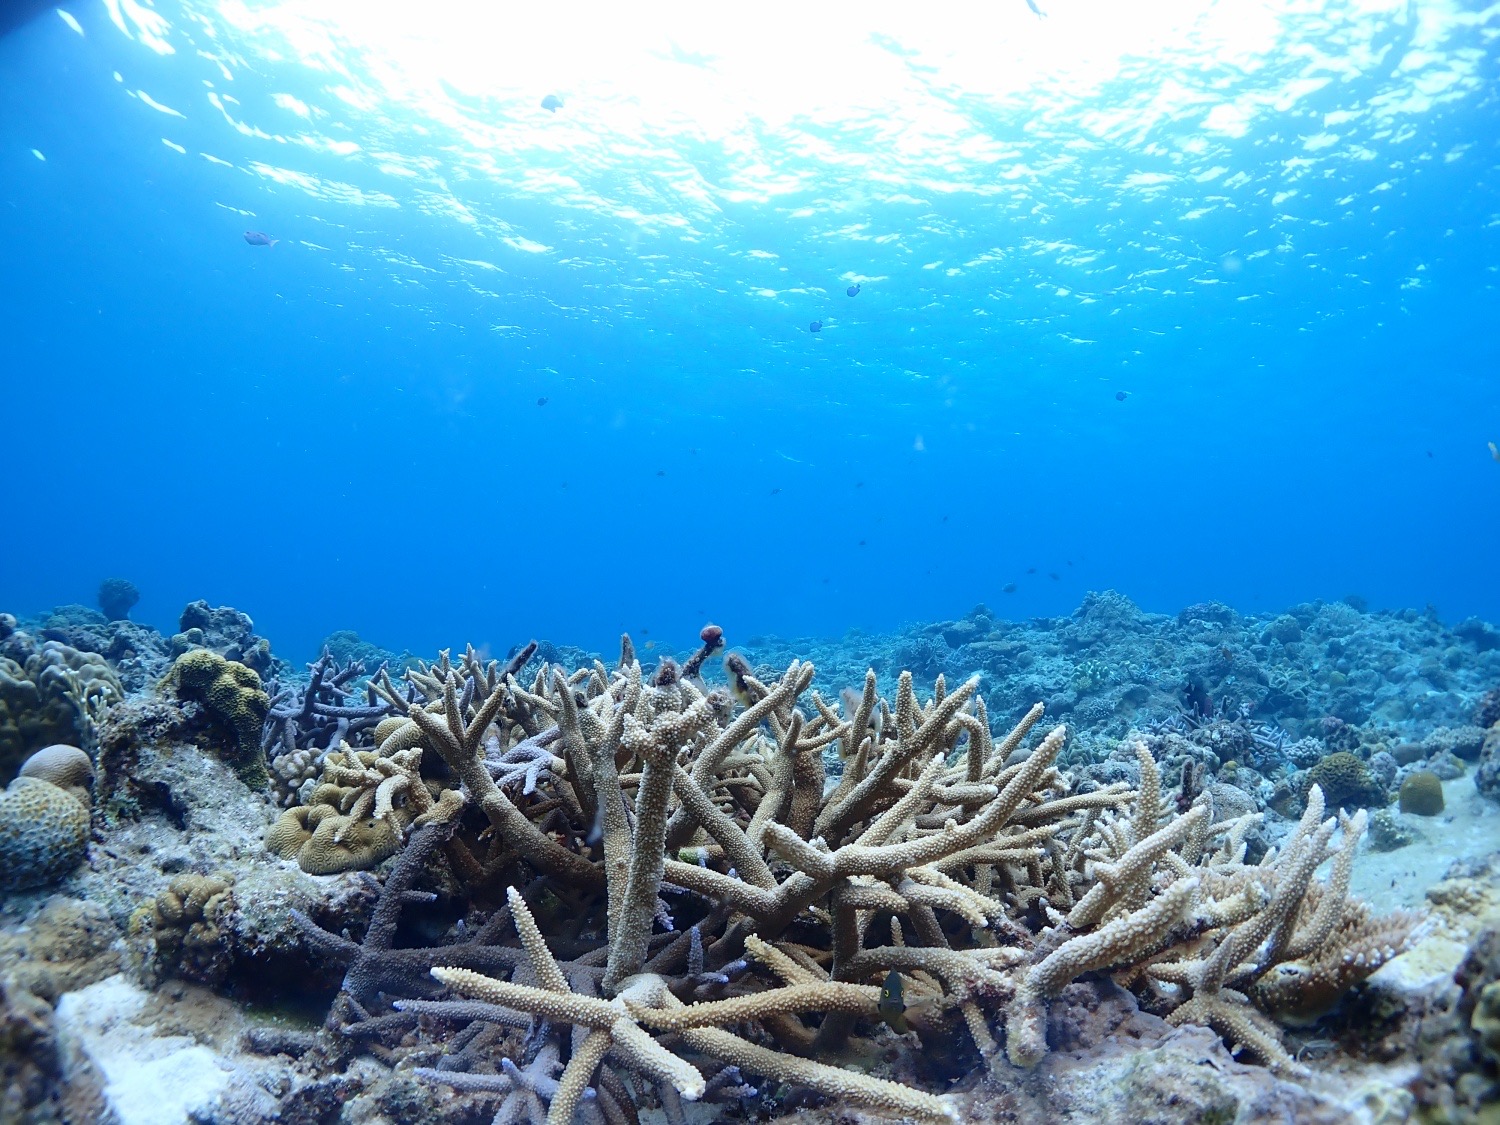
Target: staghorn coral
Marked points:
686	869
232	694
305	721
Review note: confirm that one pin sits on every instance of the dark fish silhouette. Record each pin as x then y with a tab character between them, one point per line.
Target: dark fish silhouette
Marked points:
853	290
1052	574
541	401
1120	396
892	1004
1008	588
552	103
1031	570
661	472
255	238
815	326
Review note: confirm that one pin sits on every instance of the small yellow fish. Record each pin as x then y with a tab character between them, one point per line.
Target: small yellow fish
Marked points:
892	1007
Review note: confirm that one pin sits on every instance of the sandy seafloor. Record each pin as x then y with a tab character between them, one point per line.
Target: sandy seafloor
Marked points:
119	1003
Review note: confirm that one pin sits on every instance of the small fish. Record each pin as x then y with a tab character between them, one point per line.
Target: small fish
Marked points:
1494	451
1121	396
661	472
815	326
552	103
775	491
542	401
861	542
892	1006
1041	15
1008	588
853	290
255	238
1031	570
1052	574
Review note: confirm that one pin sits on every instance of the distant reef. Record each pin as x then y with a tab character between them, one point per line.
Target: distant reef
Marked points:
1109	866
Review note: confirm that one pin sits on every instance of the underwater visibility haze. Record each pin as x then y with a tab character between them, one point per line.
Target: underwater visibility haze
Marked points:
679	563
1271	226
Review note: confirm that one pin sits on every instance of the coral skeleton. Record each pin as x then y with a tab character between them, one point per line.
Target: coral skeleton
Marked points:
677	884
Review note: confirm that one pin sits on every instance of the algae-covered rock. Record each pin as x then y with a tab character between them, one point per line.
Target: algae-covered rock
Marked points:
223	630
234	696
1422	794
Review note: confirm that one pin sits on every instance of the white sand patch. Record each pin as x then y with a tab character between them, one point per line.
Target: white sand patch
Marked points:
149	1079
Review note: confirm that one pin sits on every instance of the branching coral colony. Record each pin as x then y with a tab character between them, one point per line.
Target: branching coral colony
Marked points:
694	889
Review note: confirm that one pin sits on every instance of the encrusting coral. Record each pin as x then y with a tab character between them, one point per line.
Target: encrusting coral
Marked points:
232	693
964	865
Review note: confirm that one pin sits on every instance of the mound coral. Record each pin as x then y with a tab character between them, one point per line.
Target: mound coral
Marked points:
57	695
44	828
1422	793
1345	781
185	920
961	864
233	696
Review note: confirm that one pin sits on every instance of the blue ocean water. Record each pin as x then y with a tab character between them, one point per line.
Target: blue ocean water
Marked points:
510	372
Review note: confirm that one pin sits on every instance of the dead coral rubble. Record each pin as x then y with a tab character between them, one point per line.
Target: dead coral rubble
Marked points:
697	894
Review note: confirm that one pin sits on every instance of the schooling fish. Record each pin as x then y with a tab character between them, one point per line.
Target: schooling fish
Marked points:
892	1005
853	290
255	238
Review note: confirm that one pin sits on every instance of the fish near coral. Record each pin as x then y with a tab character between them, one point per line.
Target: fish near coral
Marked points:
892	1003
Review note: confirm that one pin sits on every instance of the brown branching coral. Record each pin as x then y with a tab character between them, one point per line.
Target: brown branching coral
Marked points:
989	885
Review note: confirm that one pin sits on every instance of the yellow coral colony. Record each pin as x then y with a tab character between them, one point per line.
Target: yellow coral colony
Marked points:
996	884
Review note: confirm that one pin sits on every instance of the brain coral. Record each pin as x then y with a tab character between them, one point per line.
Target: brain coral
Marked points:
1345	781
1422	794
43	833
233	695
66	767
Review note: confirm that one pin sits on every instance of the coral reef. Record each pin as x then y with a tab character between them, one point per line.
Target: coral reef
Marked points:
233	696
552	886
963	864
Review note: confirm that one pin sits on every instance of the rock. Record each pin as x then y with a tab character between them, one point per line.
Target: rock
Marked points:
1389	832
